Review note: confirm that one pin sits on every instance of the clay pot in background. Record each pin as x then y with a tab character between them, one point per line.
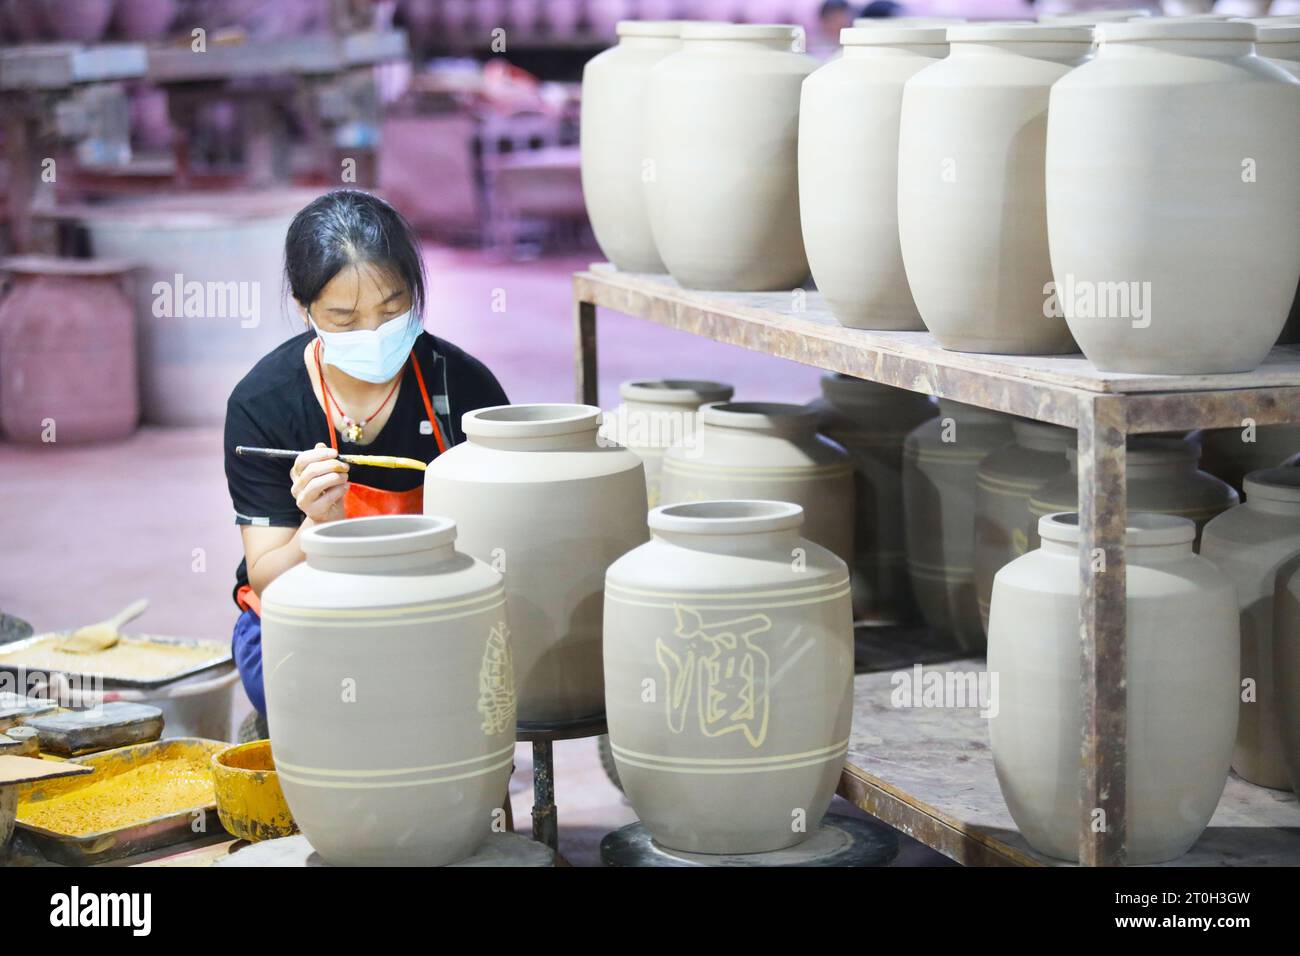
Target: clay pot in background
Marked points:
941	459
23	20
871	422
1182	666
389	693
1162	478
770	451
1233	453
613	141
67	351
1249	543
752	652
1280	43
143	19
1005	482
722	138
657	414
971	203
537	497
1286	664
848	174
76	21
1210	242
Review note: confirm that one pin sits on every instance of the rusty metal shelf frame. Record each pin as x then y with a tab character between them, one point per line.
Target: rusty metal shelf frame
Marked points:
1048	390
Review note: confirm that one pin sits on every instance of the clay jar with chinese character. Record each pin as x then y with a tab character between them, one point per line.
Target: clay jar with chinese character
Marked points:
1250	543
538	497
871	422
1181	676
772	451
728	676
389	693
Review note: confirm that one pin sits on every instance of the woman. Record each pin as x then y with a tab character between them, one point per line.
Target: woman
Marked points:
363	378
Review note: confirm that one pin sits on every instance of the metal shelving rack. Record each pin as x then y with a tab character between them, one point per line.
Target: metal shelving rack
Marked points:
1063	390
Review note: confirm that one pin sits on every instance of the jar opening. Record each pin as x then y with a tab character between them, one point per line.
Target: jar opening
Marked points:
530	421
758	415
1141	529
379	535
675	391
741	516
1273	484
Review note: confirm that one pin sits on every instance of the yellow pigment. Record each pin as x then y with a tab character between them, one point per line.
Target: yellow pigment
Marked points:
149	790
132	658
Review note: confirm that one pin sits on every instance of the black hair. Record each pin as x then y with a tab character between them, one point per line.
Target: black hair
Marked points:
348	227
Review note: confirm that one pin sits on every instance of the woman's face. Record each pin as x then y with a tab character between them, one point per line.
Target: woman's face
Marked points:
363	296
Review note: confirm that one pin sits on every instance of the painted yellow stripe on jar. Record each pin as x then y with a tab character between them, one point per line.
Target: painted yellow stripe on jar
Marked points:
325	772
392	784
728	595
678	467
750	604
346	619
1006	487
733	761
670	765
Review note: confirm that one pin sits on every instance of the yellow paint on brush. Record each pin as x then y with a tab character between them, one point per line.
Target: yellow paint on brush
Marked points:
250	803
384	461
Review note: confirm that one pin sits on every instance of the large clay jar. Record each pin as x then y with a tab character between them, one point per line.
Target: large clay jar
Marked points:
1182	648
1249	544
941	460
613	141
971	206
85	21
1005	482
1286	664
848	173
1162	478
67	352
657	414
745	630
1280	44
772	451
1173	197
871	422
389	695
1233	453
538	497
722	141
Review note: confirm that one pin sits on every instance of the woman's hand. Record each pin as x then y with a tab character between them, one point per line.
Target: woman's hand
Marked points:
320	481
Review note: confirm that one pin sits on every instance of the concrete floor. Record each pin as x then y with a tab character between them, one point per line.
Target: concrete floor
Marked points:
87	529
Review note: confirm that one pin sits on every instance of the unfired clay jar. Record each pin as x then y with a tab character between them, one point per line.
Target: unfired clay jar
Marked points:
1233	453
67	351
1162	478
537	497
941	459
771	451
1158	188
1182	687
745	632
1249	543
1280	43
389	695
722	140
613	141
971	205
871	422
848	173
1005	482
657	414
1286	664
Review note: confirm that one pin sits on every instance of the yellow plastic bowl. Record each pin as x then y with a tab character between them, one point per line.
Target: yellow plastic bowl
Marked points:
249	800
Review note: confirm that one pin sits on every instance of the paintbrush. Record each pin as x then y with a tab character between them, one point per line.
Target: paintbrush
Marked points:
374	461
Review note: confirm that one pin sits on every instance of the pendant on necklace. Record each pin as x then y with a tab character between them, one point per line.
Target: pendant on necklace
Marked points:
352	431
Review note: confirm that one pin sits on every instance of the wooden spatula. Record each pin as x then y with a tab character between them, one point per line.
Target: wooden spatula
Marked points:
102	636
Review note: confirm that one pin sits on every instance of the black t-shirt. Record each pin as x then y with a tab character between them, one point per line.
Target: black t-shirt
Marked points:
274	406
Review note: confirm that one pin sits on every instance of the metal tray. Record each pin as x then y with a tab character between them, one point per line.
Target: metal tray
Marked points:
90	848
115	683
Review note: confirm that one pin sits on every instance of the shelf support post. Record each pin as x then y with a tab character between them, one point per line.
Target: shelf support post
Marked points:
584	352
1103	513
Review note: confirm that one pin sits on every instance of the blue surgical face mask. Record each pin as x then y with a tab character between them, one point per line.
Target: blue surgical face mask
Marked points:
372	355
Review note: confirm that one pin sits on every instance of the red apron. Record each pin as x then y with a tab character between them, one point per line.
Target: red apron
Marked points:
363	501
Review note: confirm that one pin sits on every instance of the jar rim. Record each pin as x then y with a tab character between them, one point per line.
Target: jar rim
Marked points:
726	517
674	391
378	535
894	35
667	29
1278	33
1161	28
764	416
533	420
1141	529
713	30
1026	32
1273	484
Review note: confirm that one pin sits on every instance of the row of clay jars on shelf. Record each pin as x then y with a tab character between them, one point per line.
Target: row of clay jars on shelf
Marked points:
910	176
